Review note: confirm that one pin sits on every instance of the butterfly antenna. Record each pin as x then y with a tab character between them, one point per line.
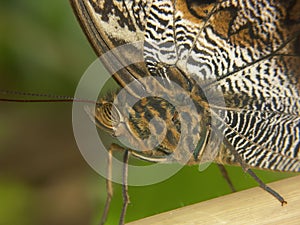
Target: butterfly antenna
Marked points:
49	97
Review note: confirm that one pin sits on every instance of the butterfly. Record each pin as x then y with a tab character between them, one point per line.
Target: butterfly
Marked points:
237	63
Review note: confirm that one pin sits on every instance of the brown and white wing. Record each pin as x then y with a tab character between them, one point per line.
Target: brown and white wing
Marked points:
248	50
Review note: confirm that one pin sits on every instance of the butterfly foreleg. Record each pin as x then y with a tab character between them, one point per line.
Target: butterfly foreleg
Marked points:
126	199
109	187
247	169
226	177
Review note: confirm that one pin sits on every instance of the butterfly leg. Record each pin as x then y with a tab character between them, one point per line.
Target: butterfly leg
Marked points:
252	174
226	176
266	188
126	200
109	187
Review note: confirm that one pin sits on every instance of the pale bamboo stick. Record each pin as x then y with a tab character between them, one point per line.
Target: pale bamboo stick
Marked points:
252	206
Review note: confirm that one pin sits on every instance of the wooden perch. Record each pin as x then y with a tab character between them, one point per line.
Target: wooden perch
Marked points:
252	206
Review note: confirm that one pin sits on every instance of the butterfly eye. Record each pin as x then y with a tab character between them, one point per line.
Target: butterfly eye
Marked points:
107	116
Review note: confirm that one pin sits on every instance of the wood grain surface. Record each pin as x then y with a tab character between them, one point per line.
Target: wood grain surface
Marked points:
252	206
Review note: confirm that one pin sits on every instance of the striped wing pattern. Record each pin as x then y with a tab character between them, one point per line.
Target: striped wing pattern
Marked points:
247	49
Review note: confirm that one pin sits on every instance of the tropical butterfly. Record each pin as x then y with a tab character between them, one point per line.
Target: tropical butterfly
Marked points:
238	62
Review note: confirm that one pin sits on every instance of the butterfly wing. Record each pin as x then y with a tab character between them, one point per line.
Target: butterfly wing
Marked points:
262	90
111	24
248	50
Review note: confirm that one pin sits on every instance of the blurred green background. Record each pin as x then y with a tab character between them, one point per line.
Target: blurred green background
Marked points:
43	178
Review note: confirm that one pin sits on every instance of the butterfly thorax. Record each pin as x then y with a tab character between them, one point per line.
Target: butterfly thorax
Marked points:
154	129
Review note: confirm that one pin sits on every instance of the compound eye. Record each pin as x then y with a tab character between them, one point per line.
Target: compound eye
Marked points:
107	116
